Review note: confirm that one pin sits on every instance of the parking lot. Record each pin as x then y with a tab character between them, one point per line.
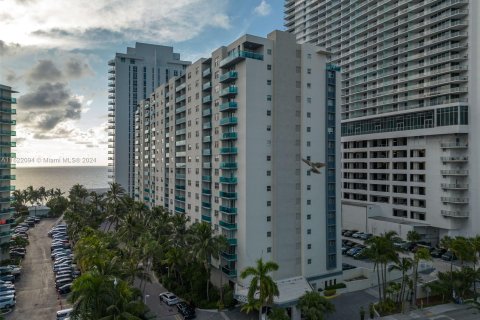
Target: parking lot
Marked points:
36	297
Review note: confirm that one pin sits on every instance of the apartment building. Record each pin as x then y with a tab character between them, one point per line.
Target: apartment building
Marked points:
132	77
224	142
409	108
6	156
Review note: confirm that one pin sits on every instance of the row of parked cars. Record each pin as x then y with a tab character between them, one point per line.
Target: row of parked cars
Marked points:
21	231
353	249
7	288
62	257
356	234
185	310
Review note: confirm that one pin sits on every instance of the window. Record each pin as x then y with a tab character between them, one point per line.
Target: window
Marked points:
269	51
269	173
269	82
309	71
309	261
269	234
309	100
269	128
309	56
269	112
309	246
309	202
308	143
269	188
269	67
269	218
309	231
309	115
309	216
269	203
309	187
308	129
269	158
309	85
269	97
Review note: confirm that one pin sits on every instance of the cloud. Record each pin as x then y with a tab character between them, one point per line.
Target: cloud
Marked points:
52	24
263	9
8	49
47	106
45	70
75	68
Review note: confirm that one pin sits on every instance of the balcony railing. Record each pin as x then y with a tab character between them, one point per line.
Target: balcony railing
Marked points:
236	56
228	225
455	214
232	90
228	195
229	76
228	210
227	106
455	200
228	121
454	172
229	136
454	186
228	180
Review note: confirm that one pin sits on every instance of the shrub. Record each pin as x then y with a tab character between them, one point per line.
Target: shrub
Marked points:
387	307
329	292
340	285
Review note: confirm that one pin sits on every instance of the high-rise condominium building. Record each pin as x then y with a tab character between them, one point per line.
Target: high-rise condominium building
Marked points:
409	109
6	165
132	77
224	143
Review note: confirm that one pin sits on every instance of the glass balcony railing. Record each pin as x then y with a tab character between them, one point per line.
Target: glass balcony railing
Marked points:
207	99
228	195
206	191
180	198
206	205
228	210
207	178
229	272
228	165
236	56
8	144
228	225
228	106
7	188
207	86
206	218
8	99
8	177
8	122
179	209
7	133
179	187
232	90
7	110
229	256
228	121
229	136
229	76
228	180
206	72
228	150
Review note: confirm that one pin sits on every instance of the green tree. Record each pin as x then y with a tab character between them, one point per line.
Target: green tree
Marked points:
420	254
413	236
404	265
205	245
115	198
315	307
262	283
278	314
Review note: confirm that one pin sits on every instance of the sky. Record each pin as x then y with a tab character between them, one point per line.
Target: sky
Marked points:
55	53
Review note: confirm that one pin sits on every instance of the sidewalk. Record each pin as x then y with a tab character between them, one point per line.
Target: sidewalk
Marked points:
441	312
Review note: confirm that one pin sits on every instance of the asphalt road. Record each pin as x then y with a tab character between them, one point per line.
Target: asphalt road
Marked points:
35	289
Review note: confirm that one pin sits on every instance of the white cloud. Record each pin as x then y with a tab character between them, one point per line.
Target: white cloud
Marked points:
52	23
263	9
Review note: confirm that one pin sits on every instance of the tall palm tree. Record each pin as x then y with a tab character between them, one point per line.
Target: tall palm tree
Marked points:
314	307
420	254
205	245
19	200
404	265
115	198
413	236
262	283
278	314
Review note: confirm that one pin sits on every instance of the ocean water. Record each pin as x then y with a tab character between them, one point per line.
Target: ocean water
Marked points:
61	177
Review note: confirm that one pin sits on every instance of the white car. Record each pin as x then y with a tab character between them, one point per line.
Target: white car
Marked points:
169	298
7	302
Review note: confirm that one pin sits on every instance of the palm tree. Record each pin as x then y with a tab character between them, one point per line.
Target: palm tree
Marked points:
115	198
404	265
476	250
278	314
19	200
314	307
205	245
382	251
420	254
262	283
413	236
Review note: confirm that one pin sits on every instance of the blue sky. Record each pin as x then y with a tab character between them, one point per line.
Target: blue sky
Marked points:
56	56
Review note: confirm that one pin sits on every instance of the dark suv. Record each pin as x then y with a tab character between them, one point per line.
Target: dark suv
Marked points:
185	310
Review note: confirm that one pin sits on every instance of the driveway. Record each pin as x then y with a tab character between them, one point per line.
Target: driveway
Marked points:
36	294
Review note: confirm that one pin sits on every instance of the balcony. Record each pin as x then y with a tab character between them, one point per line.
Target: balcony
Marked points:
8	144
180	87
180	98
454	172
455	200
228	106
7	110
228	76
228	225
180	198
179	187
229	272
207	178
206	152
229	91
207	139
228	256
228	180
229	136
206	192
180	210
207	125
454	145
228	195
228	210
228	150
207	86
454	186
207	99
206	218
206	72
455	214
206	112
7	188
8	177
8	99
228	165
228	121
454	159
180	176
7	133
206	205
237	56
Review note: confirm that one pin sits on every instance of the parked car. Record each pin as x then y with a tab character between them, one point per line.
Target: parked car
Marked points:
7	302
366	236
346	266
353	251
64	314
185	310
8	277
437	253
7	293
169	298
350	233
66	288
449	256
62	282
357	235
